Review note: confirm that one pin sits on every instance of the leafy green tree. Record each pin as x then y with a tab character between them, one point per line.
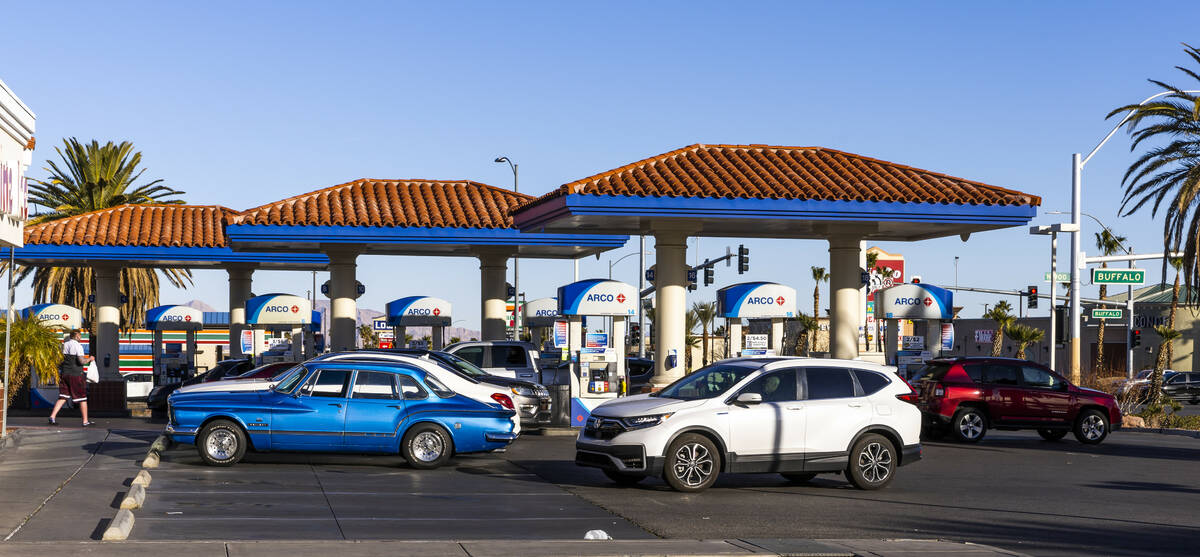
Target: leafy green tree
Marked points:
1108	244
1023	335
706	313
1168	335
368	336
93	177
1167	175
819	275
1001	313
33	347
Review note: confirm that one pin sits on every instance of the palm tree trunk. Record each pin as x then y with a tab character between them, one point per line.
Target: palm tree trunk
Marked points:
1021	350
704	341
1156	380
812	337
998	340
1171	319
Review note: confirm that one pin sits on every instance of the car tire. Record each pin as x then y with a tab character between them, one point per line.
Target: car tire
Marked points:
426	446
221	443
873	461
799	477
692	463
1052	434
1091	427
624	478
968	425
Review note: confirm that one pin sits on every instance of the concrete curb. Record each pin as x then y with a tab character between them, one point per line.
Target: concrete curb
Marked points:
151	460
11	440
120	527
160	444
142	478
135	498
1164	431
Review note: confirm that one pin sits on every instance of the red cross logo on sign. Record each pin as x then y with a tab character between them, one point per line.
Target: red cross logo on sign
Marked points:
928	302
295	309
779	300
621	298
437	311
187	318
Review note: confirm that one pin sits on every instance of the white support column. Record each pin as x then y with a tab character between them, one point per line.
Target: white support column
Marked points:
493	269
735	337
670	281
240	281
343	290
777	336
891	339
844	285
108	322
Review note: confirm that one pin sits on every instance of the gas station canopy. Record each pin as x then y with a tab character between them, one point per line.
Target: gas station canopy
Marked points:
278	311
404	217
756	300
55	315
419	311
763	191
598	297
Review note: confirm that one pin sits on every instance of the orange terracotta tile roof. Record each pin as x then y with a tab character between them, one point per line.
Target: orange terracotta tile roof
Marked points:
193	226
366	202
773	172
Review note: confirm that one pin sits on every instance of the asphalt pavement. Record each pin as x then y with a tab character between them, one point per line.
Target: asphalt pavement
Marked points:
1133	495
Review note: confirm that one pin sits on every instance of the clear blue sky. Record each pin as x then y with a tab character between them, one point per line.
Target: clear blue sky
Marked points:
241	104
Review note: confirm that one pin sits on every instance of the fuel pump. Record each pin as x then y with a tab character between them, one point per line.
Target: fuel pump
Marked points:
420	311
918	302
597	360
275	313
174	366
756	300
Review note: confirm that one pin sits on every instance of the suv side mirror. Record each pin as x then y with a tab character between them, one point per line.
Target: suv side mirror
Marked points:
749	398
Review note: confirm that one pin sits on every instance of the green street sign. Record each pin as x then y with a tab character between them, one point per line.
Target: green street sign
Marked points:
1107	313
1061	276
1118	276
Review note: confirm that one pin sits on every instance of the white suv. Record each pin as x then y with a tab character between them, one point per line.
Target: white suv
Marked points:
794	416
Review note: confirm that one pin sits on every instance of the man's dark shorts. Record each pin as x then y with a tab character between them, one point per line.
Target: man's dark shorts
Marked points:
73	388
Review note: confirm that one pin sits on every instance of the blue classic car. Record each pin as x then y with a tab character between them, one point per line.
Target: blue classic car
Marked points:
342	406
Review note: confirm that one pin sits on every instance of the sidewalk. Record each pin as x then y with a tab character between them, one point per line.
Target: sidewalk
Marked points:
510	548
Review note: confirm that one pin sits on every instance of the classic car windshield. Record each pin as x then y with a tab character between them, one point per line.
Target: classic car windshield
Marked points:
293	377
462	366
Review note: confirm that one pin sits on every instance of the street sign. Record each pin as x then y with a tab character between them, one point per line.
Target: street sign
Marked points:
691	275
649	275
1118	276
1108	313
1058	277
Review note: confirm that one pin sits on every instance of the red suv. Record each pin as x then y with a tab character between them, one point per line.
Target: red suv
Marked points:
969	395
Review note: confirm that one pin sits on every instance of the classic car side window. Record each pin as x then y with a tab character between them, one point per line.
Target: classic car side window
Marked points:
375	384
327	383
288	384
411	389
438	388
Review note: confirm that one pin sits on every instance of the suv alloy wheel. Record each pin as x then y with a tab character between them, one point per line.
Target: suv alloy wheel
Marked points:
1091	427
969	425
872	462
693	463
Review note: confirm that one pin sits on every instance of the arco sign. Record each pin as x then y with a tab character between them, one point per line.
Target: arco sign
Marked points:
914	301
597	297
419	311
756	300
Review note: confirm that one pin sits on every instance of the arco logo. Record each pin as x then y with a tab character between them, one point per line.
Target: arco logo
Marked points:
761	300
545	313
281	309
420	311
928	301
621	298
779	300
601	298
295	309
437	311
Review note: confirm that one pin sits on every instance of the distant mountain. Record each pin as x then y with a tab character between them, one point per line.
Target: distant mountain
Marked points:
365	316
200	305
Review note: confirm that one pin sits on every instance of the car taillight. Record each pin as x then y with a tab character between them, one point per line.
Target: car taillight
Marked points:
939	391
503	400
910	397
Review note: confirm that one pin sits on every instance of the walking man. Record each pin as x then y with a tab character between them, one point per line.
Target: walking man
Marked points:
72	382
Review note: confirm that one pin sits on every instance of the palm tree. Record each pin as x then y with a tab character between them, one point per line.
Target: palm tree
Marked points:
819	275
1023	335
690	340
1167	176
95	177
33	346
370	339
807	324
1177	264
706	313
1168	336
1001	313
1108	244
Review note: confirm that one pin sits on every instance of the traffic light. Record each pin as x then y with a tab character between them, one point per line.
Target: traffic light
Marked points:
1137	338
635	333
1061	325
743	259
1033	298
708	276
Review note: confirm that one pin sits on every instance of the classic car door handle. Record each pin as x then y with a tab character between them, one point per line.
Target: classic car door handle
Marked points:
396	406
335	404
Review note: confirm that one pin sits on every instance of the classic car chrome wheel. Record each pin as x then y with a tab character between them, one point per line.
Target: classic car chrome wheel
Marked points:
428	446
221	444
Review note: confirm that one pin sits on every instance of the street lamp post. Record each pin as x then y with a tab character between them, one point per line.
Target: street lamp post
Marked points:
1077	164
516	264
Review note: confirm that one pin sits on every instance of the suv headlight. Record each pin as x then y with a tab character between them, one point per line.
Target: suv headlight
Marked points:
639	422
522	391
